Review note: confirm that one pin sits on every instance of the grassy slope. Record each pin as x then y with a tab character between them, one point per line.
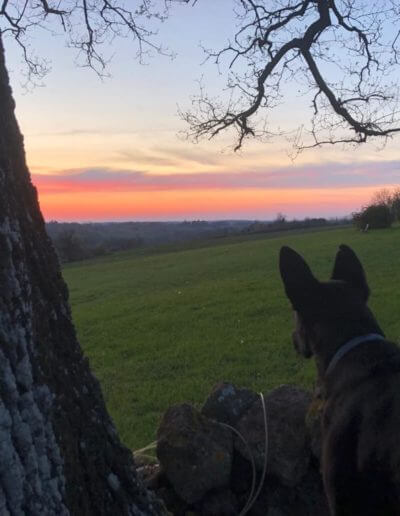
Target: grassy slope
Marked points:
164	328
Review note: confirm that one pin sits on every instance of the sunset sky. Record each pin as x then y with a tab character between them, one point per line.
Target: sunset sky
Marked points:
110	149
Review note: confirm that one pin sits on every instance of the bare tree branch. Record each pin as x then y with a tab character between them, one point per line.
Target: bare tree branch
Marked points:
341	54
88	25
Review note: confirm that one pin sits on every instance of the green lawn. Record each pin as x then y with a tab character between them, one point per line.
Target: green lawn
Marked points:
163	328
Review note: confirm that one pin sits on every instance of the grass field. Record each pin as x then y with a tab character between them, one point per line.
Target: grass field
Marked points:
163	328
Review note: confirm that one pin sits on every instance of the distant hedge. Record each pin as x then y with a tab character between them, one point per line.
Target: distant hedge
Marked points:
375	216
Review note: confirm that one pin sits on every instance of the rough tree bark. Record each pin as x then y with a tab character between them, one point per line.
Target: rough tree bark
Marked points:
59	451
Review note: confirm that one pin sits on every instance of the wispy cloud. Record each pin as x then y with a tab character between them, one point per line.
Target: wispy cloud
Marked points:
167	157
330	175
85	132
192	155
143	158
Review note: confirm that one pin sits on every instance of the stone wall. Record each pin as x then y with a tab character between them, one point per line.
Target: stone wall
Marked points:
205	467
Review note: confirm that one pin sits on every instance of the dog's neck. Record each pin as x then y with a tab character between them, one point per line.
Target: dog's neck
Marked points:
349	346
329	338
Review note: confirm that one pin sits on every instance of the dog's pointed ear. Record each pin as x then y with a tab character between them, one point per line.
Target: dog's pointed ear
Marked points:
348	268
301	286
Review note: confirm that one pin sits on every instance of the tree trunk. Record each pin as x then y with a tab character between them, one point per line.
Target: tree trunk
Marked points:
59	451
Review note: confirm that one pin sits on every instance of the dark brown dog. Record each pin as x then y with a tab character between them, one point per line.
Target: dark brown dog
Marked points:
359	373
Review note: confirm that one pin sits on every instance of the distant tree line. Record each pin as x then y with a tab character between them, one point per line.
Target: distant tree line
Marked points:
81	241
381	212
282	224
76	241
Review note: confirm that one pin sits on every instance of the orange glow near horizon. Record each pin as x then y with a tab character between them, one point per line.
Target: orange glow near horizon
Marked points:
101	193
243	203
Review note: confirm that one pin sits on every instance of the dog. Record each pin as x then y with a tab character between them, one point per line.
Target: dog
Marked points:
359	376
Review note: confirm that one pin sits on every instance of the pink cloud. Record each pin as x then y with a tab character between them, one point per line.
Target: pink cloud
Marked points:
329	175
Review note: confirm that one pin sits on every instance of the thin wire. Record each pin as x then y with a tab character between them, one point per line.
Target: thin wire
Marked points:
264	471
253	496
253	467
146	448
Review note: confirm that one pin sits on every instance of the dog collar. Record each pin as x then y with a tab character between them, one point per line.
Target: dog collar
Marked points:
351	344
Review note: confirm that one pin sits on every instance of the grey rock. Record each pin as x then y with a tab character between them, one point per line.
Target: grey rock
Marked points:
288	444
275	511
175	505
306	499
194	452
220	503
227	403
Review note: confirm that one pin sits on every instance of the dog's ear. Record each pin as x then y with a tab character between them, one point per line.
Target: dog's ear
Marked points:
301	287
348	268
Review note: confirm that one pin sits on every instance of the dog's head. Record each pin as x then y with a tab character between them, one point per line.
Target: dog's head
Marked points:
340	301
